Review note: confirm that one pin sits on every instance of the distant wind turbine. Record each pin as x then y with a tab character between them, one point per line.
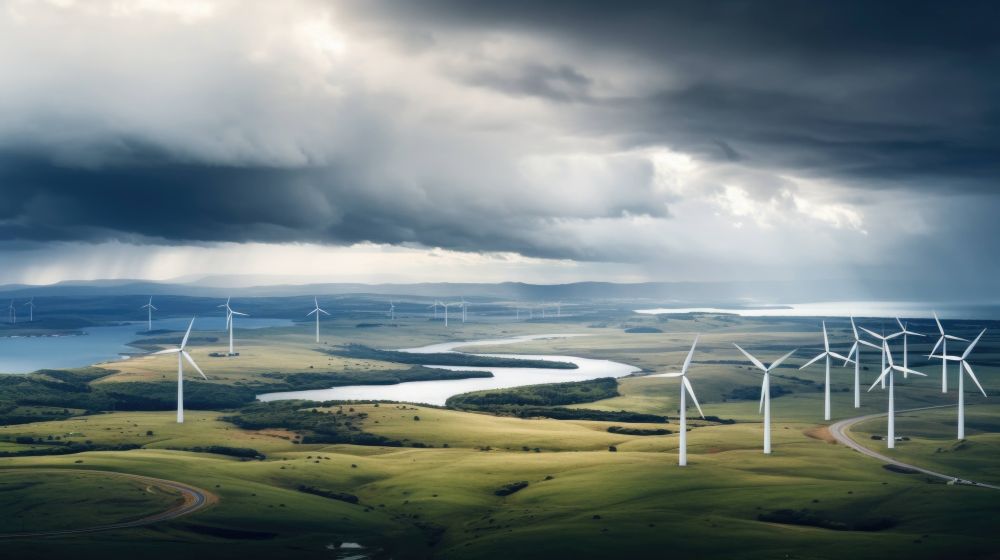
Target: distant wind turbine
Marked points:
558	309
31	309
12	313
685	388
963	364
765	392
229	323
826	353
392	311
317	311
943	343
892	397
856	352
904	330
465	307
149	313
180	370
435	306
884	346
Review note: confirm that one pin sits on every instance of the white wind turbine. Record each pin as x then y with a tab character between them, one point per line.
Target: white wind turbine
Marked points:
31	309
765	392
435	307
884	346
229	323
856	352
558	309
180	370
149	313
906	350
317	311
445	306
685	388
962	364
943	343
892	397
826	353
12	313
392	311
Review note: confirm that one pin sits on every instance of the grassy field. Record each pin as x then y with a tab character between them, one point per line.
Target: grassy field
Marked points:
438	496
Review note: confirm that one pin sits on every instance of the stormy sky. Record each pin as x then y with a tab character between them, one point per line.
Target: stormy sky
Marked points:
437	140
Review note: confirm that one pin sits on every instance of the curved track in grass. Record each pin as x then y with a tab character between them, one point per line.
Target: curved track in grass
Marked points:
193	499
839	431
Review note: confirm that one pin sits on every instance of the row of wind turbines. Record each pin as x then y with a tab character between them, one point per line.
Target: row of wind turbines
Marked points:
885	377
12	311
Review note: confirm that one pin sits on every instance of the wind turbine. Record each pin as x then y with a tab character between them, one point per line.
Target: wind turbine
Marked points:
558	309
12	313
885	339
962	364
685	388
906	352
465	306
943	343
892	398
856	352
435	306
31	309
445	306
180	370
317	311
229	323
149	313
392	311
826	353
765	392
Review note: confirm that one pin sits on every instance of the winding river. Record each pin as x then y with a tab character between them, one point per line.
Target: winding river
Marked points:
437	392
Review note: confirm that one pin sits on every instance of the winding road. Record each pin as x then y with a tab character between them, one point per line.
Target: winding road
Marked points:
194	499
839	431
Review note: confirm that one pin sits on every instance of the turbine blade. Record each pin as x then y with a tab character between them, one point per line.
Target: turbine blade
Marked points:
938	321
672	374
901	326
762	391
753	360
187	334
839	357
873	333
168	351
869	344
777	362
690	390
311	312
949	337
323	312
238	313
972	375
190	360
687	361
972	345
879	379
888	353
937	345
826	339
854	328
813	361
905	371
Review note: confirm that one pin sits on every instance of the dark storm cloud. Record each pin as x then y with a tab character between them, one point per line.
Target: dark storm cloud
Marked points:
886	95
882	91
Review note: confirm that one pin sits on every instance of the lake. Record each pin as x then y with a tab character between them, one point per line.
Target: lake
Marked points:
887	309
437	392
25	354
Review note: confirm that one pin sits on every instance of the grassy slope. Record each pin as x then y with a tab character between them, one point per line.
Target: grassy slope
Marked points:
645	503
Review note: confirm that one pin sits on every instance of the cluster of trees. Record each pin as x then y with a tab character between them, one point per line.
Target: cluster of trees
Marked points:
317	426
362	352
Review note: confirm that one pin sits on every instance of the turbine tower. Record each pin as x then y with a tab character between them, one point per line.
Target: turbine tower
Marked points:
826	353
906	352
149	313
884	346
317	311
435	306
943	343
685	388
31	309
12	313
963	364
892	397
392	311
181	353
765	392
229	323
856	352
465	306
